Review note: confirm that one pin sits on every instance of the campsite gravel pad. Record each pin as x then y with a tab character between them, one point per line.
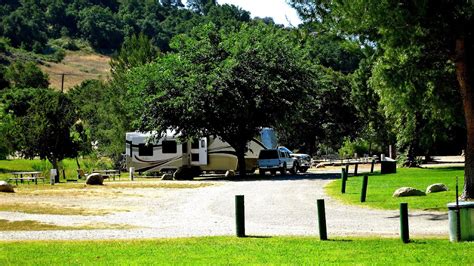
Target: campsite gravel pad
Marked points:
282	206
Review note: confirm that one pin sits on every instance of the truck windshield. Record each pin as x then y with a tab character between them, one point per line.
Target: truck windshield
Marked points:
268	154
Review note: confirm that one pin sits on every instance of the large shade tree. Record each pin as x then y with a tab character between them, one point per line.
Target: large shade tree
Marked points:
41	124
440	32
227	84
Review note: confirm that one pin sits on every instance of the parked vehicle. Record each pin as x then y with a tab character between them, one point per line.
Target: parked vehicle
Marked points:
168	154
274	160
303	161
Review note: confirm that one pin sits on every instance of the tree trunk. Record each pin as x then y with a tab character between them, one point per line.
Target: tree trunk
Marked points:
77	162
241	162
465	86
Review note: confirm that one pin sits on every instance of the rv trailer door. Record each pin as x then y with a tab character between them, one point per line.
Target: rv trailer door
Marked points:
199	152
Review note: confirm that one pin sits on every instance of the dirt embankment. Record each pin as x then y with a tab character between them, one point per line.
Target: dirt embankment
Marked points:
77	66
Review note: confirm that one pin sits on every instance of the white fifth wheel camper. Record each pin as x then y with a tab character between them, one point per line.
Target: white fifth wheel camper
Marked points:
168	154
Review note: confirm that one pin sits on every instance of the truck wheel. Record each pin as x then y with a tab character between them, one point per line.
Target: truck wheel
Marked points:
273	172
283	170
261	172
294	169
303	169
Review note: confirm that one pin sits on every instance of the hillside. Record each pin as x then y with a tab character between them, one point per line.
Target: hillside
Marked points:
77	66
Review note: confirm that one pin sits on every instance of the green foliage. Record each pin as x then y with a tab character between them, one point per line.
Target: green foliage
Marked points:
135	51
25	26
412	68
41	123
100	27
227	84
349	148
4	44
239	251
406	80
26	75
65	43
201	6
3	80
104	117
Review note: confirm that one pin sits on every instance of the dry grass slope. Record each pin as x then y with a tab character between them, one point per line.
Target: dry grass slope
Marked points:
77	67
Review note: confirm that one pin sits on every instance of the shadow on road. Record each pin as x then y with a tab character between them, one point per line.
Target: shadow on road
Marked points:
430	216
256	177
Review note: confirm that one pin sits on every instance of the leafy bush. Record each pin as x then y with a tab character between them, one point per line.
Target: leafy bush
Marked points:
65	43
4	44
349	148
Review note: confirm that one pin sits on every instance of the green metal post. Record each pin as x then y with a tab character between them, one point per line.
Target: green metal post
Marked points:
404	230
356	168
363	194
343	181
372	166
240	215
323	234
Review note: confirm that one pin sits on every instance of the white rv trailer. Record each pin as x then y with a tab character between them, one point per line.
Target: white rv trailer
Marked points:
168	154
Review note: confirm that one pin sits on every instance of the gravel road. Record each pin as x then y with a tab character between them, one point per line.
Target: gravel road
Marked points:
281	206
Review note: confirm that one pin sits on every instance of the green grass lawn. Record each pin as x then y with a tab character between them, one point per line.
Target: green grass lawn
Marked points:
70	166
232	250
381	187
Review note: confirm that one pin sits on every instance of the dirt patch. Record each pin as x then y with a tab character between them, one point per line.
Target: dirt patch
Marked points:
77	67
29	225
48	208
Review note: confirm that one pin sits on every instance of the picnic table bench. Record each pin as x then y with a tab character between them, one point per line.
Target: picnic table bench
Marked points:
108	173
26	176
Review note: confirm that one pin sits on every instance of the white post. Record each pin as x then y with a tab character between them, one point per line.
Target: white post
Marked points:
382	157
52	176
132	171
390	154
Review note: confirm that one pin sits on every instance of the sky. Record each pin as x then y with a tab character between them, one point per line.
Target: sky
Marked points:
279	10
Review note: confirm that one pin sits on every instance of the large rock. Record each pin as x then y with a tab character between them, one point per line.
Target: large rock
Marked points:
438	187
5	187
95	179
408	191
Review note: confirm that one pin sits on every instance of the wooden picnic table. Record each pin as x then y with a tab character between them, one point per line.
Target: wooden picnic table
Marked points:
26	176
108	173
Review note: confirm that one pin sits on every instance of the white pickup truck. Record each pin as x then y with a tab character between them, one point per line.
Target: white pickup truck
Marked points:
303	161
274	160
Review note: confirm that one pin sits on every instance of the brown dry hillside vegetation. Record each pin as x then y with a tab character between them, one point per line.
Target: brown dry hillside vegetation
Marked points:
77	67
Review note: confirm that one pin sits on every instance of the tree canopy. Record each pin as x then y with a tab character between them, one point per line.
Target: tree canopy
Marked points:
40	123
423	47
228	84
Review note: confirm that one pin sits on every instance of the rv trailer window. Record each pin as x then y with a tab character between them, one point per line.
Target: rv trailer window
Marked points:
169	146
145	150
195	157
203	143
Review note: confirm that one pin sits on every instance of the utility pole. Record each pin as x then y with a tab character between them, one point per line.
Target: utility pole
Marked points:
62	82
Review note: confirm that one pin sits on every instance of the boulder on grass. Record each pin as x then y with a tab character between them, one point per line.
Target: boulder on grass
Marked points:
407	192
438	187
95	179
5	187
